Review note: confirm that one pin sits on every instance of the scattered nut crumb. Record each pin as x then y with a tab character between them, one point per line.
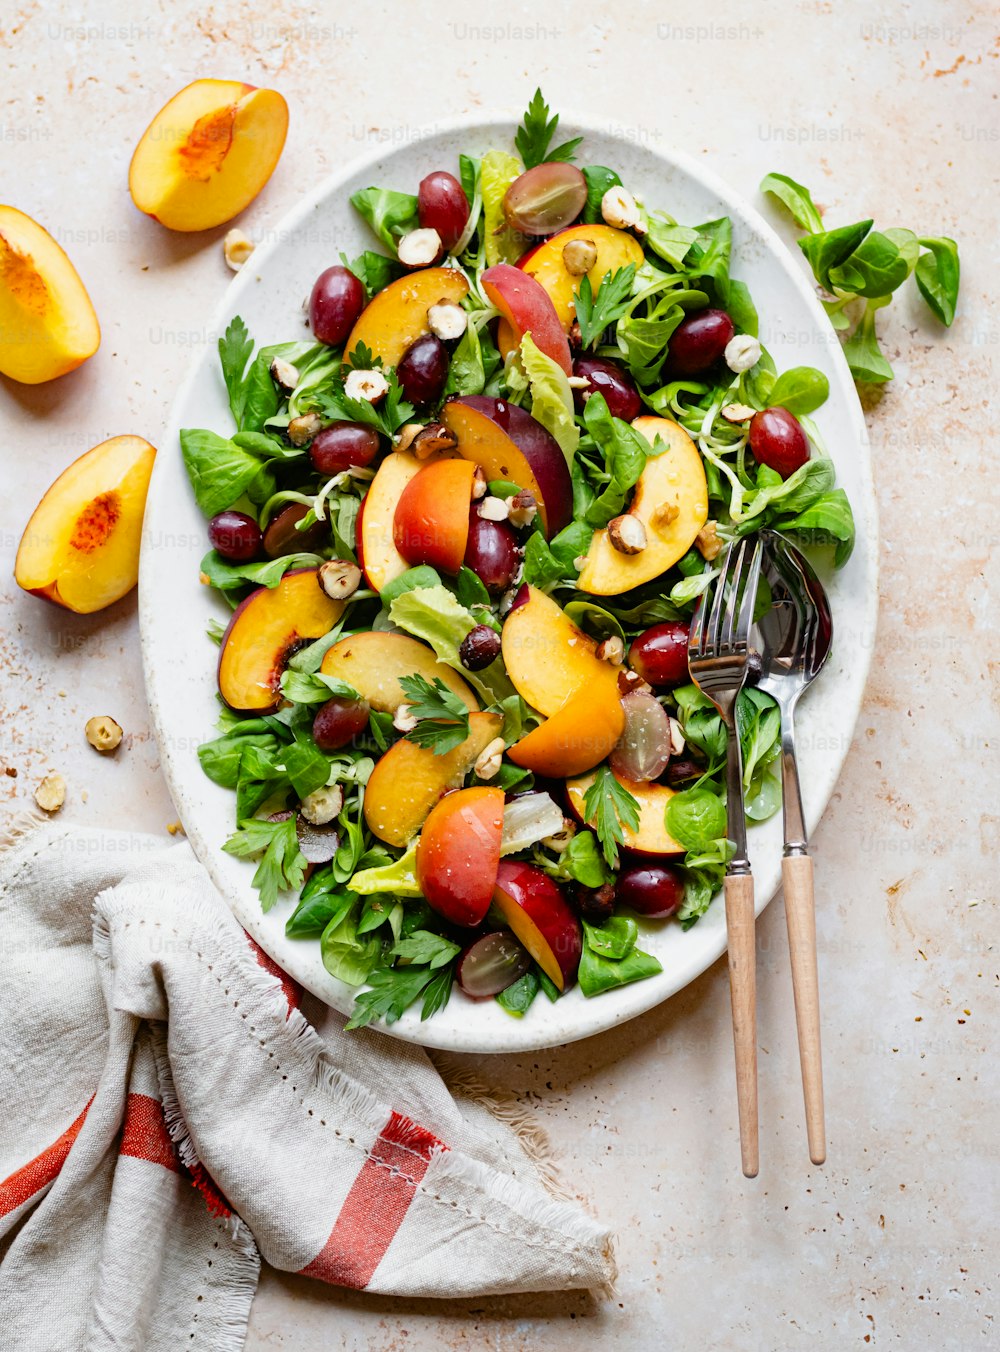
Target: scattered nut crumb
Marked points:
51	793
742	352
10	772
103	733
522	509
578	382
237	248
323	804
707	541
611	649
494	509
619	208
284	374
479	484
403	720
176	829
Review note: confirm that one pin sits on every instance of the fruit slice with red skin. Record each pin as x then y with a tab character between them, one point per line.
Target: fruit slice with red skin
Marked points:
507	443
577	737
540	917
378	556
431	521
373	662
459	853
615	249
265	631
408	780
650	838
548	658
674	479
527	309
395	318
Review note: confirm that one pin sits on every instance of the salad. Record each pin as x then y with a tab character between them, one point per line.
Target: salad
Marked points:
462	530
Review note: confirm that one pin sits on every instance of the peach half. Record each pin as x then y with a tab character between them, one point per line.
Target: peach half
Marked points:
397	316
373	662
549	659
207	153
80	548
47	323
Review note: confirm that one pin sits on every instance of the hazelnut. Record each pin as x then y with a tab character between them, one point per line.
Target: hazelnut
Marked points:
237	248
490	759
610	649
742	352
419	248
494	509
560	839
434	437
403	720
447	321
619	208
284	375
522	508
322	805
578	382
579	256
303	428
103	733
630	681
575	335
627	534
371	386
677	742
339	578
479	484
51	793
738	413
707	541
405	436
664	515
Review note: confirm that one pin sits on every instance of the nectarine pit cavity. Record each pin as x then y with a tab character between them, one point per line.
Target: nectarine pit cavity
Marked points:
19	274
202	153
96	522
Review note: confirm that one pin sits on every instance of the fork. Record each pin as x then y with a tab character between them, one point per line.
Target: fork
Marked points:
717	662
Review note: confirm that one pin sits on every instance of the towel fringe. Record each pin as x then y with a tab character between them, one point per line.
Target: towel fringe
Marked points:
233	1304
20	825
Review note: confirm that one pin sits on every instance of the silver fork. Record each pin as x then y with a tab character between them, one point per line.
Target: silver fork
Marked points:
717	661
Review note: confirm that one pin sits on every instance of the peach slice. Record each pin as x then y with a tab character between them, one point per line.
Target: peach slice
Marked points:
80	548
459	853
507	443
431	522
671	501
373	663
615	249
397	316
577	737
650	837
265	631
526	307
408	780
540	917
548	658
207	153
377	553
47	323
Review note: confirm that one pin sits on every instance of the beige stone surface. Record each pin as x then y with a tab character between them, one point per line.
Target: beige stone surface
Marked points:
890	112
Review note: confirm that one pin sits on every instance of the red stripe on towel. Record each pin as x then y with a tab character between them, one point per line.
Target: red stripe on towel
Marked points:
292	989
145	1135
39	1172
374	1208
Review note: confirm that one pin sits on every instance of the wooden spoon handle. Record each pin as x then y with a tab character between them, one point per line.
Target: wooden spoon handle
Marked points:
800	916
743	998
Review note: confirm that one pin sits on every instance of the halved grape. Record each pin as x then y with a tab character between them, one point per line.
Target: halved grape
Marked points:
642	752
699	341
490	964
343	445
611	380
423	370
443	206
545	199
235	536
653	890
338	722
281	536
492	552
778	440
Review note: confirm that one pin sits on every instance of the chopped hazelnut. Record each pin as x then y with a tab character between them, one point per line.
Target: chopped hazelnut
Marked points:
303	428
479	483
579	256
237	248
738	413
578	382
559	840
406	434
575	334
630	682
494	509
677	742
103	733
579	562
323	804
627	534
434	437
339	578
490	759
447	321
284	375
176	829
707	541
51	793
619	208
522	508
665	515
611	649
371	386
403	720
419	248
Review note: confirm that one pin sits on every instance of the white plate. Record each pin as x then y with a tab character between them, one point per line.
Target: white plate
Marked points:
175	609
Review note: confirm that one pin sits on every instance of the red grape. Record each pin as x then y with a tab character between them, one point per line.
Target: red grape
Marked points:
521	597
343	445
443	206
281	537
479	648
699	341
659	654
235	536
778	440
545	199
643	750
490	964
336	301
608	378
492	553
653	890
423	370
338	722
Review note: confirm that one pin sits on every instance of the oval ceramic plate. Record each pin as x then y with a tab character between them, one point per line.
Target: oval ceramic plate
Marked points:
175	609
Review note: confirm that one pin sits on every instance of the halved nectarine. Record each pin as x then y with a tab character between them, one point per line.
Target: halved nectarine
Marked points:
431	521
615	249
408	780
548	658
650	837
207	153
374	661
80	548
577	737
540	917
395	318
459	852
671	501
509	444
47	323
265	631
526	307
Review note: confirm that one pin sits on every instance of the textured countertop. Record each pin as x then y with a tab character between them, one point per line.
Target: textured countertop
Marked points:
886	112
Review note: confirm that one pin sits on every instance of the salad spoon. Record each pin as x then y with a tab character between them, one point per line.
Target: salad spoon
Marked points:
794	638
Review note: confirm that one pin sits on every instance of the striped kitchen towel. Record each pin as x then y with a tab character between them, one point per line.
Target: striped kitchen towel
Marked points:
169	1114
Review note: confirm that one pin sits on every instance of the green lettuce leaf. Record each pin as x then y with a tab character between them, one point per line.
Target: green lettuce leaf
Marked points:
551	397
434	615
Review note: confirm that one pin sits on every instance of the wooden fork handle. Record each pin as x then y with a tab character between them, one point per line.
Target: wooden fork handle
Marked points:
743	998
800	916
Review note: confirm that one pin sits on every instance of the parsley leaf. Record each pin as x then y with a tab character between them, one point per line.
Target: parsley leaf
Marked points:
595	313
442	717
282	864
535	135
393	990
235	350
607	806
426	947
